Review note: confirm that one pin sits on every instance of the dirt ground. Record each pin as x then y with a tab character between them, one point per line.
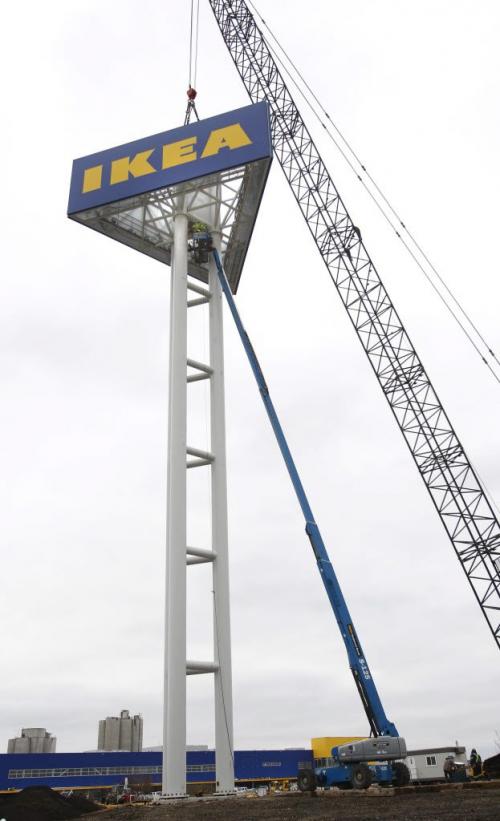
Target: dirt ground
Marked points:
43	804
481	803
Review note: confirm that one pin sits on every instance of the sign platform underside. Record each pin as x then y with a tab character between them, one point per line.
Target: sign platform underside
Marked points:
229	198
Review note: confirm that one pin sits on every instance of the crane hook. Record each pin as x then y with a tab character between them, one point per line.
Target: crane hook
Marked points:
191	94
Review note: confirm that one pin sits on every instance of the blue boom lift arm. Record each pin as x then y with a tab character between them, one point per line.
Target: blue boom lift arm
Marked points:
379	723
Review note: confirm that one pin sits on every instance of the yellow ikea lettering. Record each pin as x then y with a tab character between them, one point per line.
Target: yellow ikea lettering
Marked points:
179	152
232	136
138	166
92	179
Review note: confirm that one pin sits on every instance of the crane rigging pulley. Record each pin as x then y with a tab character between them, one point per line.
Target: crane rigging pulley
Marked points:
450	478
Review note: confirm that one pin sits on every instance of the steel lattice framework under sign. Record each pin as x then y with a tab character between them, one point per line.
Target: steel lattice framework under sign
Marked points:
213	169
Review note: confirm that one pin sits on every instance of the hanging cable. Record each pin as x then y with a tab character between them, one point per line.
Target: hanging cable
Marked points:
376	201
224	710
195	69
193	61
388	220
191	43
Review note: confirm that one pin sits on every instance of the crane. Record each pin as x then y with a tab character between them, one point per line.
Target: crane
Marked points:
349	762
448	474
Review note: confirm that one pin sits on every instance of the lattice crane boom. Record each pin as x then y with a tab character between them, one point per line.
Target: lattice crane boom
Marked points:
453	485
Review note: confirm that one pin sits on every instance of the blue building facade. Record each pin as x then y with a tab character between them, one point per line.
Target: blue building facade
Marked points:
101	770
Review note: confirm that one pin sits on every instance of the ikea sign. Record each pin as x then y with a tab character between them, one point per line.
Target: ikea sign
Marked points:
172	157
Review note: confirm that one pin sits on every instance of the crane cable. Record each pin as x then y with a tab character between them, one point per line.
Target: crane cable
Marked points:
193	42
193	60
381	196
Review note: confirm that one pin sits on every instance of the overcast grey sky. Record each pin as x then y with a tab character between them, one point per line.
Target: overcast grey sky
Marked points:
83	371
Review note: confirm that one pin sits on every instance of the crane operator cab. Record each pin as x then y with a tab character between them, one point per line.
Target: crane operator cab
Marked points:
359	764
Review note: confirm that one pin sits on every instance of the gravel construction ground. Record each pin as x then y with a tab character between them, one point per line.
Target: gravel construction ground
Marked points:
479	802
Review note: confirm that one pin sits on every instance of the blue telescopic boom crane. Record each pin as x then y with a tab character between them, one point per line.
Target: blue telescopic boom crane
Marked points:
360	762
379	723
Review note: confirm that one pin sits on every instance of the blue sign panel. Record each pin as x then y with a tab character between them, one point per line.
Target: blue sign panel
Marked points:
172	157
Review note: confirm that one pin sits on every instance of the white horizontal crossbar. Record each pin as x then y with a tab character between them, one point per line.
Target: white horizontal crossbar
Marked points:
201	300
203	457
201	553
199	290
204	371
200	366
195	668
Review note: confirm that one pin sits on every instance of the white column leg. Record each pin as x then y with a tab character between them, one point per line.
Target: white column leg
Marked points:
224	757
174	714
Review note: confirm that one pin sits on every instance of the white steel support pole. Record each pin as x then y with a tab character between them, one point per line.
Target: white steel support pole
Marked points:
224	757
174	715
